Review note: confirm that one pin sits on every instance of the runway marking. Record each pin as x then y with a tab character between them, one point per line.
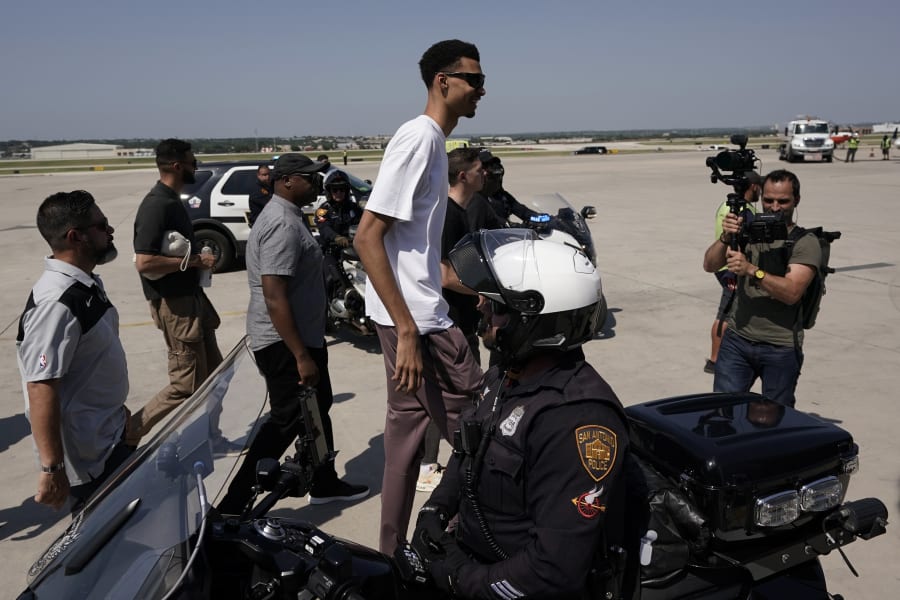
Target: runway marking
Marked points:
878	265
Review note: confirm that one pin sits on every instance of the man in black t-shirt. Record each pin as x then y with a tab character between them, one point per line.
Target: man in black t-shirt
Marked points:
466	177
178	305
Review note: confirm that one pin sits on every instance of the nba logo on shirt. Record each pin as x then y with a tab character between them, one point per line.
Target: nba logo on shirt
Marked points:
43	361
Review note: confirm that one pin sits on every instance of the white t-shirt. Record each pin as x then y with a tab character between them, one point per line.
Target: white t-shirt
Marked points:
412	188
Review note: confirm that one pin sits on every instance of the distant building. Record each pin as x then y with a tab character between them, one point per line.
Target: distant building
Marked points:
79	150
885	128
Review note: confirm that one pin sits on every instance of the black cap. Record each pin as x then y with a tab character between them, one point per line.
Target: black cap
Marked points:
296	164
753	177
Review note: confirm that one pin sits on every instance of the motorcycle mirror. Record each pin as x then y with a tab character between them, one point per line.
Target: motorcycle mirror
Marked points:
588	212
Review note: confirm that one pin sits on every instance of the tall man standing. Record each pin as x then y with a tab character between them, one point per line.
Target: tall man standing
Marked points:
466	176
286	326
764	336
178	305
399	240
73	366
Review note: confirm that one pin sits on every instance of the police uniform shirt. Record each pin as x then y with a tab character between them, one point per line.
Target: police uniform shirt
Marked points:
70	331
335	218
549	486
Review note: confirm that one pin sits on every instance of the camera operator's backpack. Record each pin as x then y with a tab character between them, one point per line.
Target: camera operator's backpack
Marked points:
812	297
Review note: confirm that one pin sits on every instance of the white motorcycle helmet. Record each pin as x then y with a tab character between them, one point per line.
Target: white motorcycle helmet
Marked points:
550	288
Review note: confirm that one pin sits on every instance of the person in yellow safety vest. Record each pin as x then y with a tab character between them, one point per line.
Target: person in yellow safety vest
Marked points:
885	148
852	146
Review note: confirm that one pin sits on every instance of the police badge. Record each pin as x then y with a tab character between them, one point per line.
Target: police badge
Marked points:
510	423
597	449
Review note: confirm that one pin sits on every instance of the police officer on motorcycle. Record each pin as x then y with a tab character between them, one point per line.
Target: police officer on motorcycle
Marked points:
333	219
536	478
502	203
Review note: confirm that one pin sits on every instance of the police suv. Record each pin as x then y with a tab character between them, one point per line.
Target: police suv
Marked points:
218	204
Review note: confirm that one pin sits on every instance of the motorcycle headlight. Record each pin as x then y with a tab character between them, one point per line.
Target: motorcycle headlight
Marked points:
777	509
821	495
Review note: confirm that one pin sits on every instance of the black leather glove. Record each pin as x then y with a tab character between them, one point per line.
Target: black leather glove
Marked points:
445	571
430	529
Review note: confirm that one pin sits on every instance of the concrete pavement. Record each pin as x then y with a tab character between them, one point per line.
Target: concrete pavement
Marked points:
654	220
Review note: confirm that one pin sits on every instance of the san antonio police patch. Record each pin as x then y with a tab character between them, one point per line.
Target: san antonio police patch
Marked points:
597	448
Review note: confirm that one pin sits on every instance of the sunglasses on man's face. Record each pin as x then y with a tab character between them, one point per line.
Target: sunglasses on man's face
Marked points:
476	80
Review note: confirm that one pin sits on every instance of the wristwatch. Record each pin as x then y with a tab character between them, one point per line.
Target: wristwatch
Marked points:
759	274
53	468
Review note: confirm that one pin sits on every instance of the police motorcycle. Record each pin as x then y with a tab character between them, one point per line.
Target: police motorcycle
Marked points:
345	275
152	531
347	302
738	498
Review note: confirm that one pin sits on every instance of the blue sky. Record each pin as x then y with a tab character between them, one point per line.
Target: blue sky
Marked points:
201	68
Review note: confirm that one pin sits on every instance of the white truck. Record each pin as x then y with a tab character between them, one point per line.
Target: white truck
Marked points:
807	140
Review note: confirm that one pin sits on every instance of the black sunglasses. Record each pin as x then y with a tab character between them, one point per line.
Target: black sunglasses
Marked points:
476	80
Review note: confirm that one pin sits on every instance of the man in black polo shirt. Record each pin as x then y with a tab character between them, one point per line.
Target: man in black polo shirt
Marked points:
177	302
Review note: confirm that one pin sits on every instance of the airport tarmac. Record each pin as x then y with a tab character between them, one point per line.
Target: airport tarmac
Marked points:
654	220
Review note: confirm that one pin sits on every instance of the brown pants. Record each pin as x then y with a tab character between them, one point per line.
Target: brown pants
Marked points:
189	327
452	380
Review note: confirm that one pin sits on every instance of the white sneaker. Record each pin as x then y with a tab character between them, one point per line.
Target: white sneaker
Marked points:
430	478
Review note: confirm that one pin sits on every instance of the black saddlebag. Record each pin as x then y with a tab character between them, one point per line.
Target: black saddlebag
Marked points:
717	455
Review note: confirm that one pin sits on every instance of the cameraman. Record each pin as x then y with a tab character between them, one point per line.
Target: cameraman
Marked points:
764	338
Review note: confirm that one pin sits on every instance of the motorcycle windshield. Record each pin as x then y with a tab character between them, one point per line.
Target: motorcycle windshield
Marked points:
552	204
564	220
132	539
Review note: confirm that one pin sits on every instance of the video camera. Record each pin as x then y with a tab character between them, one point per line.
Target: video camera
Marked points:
731	168
764	228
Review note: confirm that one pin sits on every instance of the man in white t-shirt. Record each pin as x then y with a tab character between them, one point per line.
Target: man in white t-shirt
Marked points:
431	373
